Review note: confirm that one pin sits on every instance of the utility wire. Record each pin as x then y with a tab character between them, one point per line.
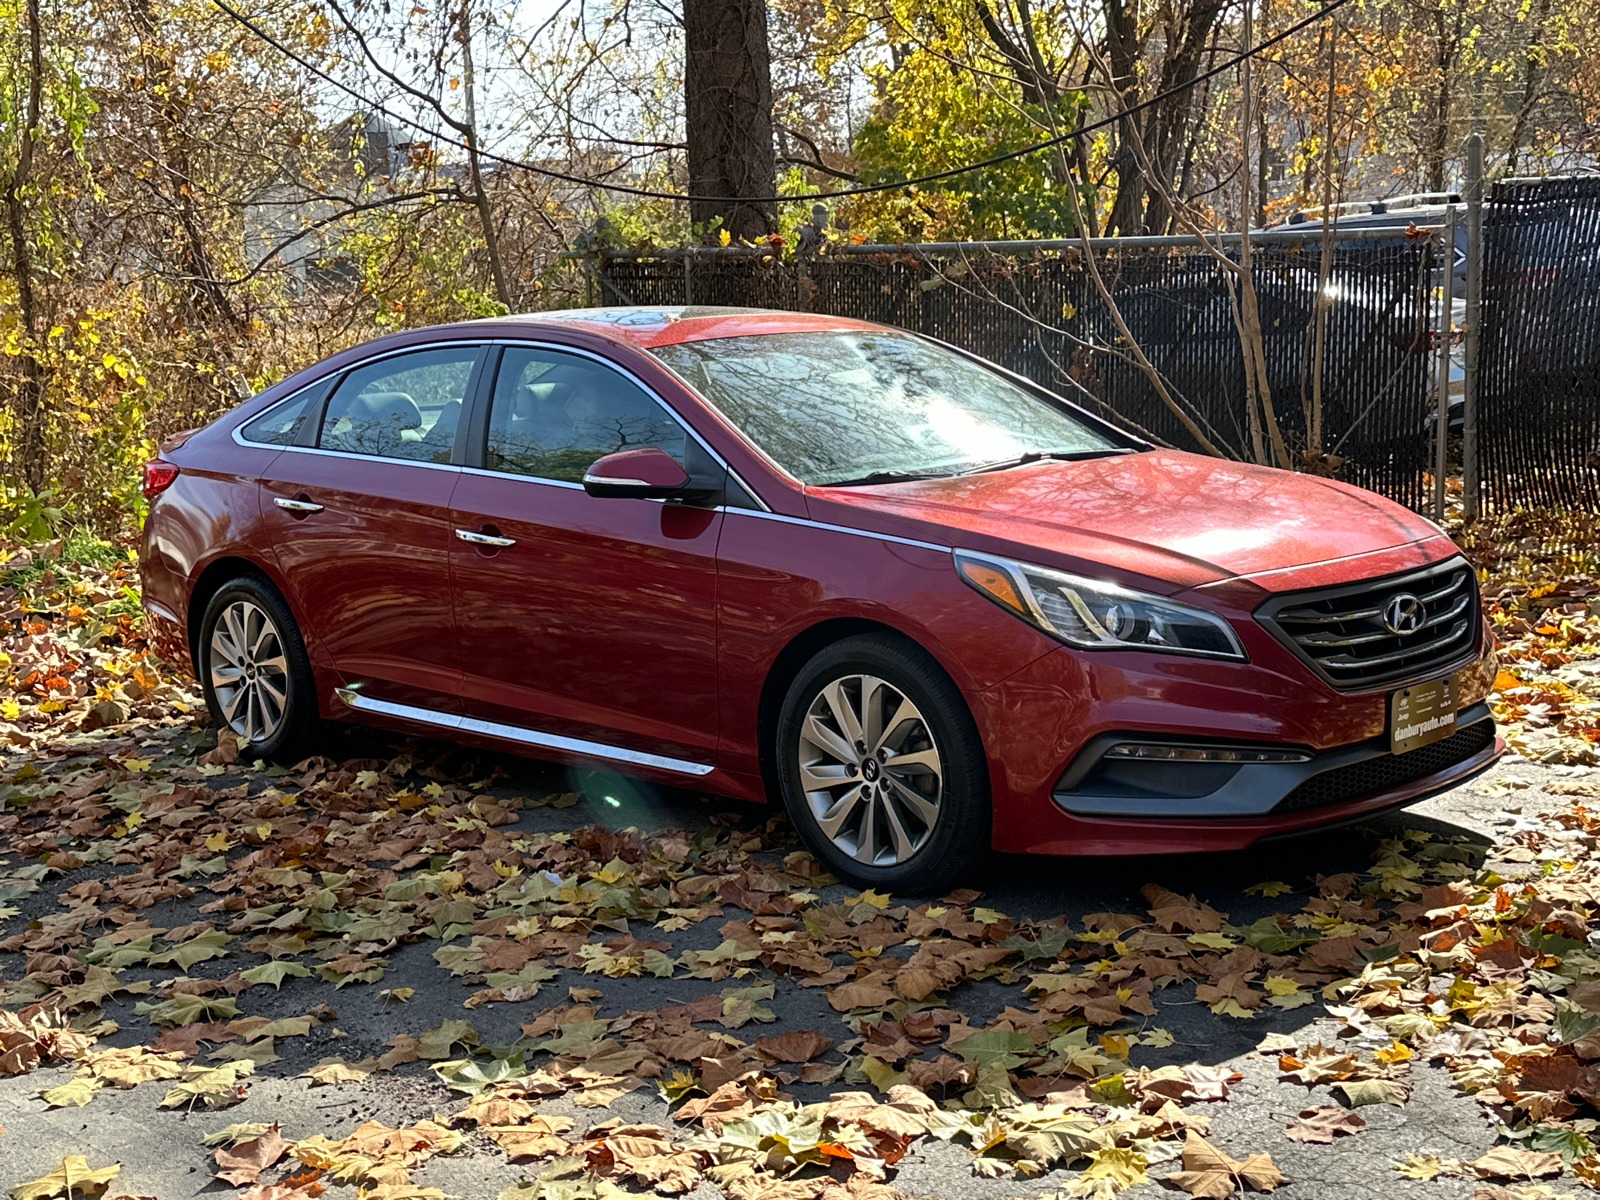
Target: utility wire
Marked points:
861	190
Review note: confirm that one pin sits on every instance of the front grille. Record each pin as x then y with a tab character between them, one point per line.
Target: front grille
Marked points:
1342	634
1379	774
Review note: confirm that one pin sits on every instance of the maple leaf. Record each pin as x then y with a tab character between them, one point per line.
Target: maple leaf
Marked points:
72	1178
76	1092
1210	1173
244	1161
210	1087
1507	1162
1110	1170
795	1046
1324	1123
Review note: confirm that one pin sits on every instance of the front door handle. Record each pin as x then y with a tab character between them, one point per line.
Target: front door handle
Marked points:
296	506
484	539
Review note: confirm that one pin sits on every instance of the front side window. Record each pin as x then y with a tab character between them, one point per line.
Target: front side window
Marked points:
553	414
837	406
407	406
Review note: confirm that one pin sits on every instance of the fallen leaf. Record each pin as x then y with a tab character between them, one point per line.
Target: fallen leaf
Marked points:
1324	1123
244	1162
73	1178
1209	1173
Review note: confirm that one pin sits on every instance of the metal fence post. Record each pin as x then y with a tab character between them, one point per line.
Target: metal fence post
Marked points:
1471	485
1441	428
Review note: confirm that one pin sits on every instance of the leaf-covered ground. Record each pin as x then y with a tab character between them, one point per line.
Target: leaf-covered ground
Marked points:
404	969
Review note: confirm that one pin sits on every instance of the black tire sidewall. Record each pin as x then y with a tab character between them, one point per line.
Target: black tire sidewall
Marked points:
962	834
301	710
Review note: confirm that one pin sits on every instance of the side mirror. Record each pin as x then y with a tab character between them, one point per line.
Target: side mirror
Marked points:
648	473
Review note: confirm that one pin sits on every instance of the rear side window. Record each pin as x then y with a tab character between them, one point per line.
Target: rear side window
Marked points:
280	425
553	414
407	406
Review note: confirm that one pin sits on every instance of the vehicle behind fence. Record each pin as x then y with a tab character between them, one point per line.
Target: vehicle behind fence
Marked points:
1034	309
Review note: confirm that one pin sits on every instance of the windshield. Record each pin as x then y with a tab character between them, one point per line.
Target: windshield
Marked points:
843	405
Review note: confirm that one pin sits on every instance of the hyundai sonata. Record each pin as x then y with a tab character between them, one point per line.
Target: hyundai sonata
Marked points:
931	606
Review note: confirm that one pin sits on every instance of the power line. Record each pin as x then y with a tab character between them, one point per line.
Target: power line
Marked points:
860	190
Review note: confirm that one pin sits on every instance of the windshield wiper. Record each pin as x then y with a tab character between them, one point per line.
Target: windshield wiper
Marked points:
886	477
1033	456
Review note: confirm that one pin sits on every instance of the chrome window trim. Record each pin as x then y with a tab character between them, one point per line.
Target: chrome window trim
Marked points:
352	696
866	533
688	427
538	480
370	458
465	344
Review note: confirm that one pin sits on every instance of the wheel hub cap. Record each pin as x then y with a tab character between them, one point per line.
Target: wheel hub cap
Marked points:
249	673
871	770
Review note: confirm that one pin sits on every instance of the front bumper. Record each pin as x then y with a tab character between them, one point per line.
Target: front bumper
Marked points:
1039	722
1098	786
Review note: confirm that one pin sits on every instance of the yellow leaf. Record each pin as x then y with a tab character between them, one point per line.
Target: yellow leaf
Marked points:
723	237
10	710
875	899
73	1178
1279	985
75	1092
218	841
1398	1052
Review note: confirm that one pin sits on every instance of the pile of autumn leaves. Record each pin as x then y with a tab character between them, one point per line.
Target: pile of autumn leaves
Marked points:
324	870
1540	581
75	656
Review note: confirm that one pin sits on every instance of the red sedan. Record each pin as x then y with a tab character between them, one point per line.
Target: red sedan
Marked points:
932	606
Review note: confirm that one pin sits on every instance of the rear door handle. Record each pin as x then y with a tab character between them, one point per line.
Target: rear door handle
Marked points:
298	506
484	539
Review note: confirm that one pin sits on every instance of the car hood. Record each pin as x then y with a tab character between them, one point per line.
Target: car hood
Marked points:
1175	518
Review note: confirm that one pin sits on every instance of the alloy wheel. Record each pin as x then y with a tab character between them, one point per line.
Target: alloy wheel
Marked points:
249	672
870	769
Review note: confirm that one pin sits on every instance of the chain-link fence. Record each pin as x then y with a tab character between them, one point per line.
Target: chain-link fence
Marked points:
1041	315
1539	349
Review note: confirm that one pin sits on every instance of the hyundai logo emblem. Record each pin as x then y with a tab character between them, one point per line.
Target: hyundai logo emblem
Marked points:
1403	614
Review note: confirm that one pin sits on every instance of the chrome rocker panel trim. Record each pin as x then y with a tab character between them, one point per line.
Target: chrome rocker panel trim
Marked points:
352	696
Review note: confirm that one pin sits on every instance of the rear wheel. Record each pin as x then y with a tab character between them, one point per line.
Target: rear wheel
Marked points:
881	766
254	670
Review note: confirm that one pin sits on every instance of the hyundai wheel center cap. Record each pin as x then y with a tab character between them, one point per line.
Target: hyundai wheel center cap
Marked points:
869	770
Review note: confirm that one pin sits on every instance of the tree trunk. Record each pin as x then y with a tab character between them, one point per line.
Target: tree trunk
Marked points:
727	91
30	408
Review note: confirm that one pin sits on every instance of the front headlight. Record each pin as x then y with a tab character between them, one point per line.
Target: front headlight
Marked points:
1093	615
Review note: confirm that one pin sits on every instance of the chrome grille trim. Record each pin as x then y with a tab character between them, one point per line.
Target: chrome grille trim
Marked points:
1339	632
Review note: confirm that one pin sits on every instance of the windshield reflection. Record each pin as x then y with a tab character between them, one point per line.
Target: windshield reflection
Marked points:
844	405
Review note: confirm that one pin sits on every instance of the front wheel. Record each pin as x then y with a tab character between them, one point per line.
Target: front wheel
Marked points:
881	766
254	670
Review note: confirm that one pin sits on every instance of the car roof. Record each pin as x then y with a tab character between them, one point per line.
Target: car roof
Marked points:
649	326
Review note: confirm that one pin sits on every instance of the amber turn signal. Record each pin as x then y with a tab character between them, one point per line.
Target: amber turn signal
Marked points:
991	579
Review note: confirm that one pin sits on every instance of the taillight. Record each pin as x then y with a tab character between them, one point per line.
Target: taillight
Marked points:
158	477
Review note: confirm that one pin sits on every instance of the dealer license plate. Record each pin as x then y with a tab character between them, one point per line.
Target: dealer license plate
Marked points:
1422	713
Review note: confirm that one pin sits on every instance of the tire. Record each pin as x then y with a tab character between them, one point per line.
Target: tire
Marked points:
273	706
913	828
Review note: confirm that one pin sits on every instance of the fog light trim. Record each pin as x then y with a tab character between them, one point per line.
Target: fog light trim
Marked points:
1169	752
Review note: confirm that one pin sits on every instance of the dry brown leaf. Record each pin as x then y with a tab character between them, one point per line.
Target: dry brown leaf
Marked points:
1507	1162
1211	1174
243	1163
1324	1123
